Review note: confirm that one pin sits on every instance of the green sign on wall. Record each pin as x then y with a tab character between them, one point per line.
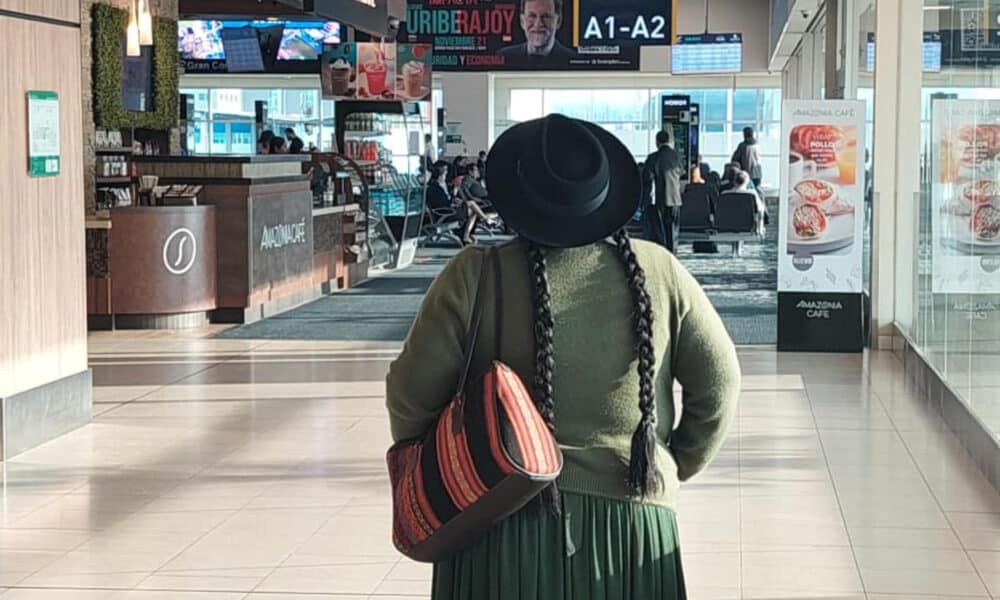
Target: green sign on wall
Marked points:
43	134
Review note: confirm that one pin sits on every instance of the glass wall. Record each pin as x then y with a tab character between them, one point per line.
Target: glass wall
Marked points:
633	116
955	316
224	118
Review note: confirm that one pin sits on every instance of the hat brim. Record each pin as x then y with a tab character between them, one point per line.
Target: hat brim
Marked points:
507	194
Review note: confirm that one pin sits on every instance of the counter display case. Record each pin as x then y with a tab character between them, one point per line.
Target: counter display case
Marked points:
385	139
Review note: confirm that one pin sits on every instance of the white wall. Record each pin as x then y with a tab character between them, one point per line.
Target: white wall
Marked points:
468	98
749	17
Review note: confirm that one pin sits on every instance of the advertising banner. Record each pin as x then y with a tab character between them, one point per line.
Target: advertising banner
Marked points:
820	243
536	35
965	197
376	71
822	196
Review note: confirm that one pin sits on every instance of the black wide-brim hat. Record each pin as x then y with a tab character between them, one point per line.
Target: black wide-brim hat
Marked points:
562	182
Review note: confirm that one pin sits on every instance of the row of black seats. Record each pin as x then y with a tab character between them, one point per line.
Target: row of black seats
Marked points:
704	210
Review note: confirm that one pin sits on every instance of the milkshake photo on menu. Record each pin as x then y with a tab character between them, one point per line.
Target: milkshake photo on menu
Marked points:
376	71
338	74
413	81
823	162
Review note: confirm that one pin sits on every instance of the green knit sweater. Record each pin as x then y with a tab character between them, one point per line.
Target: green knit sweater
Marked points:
596	386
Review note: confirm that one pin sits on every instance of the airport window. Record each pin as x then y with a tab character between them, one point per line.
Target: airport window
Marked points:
631	114
223	122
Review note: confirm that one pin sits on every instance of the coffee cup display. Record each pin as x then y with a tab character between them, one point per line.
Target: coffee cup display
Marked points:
413	79
375	72
340	77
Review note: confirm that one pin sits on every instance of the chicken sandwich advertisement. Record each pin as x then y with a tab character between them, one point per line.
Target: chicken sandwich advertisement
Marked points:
965	196
822	196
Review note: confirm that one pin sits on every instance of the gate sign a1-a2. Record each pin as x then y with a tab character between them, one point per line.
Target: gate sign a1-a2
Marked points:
626	22
822	220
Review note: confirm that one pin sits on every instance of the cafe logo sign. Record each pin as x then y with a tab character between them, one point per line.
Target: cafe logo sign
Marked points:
180	251
819	309
287	234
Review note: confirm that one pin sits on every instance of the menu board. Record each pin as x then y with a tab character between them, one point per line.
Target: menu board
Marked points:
523	35
376	71
965	196
708	53
822	196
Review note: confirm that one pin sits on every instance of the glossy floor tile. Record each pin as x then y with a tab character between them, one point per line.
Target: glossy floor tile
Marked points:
254	470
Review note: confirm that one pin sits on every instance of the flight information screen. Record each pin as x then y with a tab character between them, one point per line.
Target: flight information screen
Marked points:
932	53
708	53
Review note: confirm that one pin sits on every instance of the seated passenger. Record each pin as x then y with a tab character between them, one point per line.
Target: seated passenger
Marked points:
472	193
743	185
698	187
438	196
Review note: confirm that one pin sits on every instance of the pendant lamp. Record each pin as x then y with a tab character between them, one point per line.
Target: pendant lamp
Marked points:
145	23
132	33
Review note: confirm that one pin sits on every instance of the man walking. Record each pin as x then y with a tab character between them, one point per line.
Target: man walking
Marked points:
747	155
662	176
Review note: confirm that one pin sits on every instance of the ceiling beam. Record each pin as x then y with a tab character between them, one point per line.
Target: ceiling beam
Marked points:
244	8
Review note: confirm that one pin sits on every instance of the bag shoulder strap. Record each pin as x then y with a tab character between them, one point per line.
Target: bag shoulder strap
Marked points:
472	336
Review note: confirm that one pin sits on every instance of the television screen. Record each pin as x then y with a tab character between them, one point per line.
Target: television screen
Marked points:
202	40
243	50
304	40
708	53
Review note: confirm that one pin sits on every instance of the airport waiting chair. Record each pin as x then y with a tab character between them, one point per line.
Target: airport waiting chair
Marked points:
696	210
737	214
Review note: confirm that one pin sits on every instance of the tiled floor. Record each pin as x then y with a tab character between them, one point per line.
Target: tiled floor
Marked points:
243	470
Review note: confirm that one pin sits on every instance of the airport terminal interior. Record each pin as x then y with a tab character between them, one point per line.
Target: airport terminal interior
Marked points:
237	244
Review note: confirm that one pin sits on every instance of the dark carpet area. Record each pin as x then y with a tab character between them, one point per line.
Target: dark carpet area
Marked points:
382	309
743	289
379	310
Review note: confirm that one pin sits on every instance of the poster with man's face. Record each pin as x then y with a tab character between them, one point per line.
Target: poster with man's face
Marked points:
516	35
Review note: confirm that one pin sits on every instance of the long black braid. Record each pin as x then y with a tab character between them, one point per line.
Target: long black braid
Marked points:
544	361
643	477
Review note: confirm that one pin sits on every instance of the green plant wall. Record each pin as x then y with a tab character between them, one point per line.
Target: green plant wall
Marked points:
109	25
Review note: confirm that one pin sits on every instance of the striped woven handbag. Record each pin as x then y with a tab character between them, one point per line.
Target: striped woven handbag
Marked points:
488	455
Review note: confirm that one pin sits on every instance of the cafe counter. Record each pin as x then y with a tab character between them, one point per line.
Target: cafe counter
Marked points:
253	247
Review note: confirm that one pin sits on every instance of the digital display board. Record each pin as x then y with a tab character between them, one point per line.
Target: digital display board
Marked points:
707	53
932	53
525	35
200	44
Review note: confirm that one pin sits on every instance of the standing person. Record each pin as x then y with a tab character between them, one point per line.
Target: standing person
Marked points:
602	325
481	163
295	143
651	219
664	169
747	156
430	154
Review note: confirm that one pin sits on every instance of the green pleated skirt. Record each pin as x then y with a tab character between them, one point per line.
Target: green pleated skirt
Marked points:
601	549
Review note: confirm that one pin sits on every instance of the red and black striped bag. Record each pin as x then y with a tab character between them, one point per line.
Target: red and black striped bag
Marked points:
489	454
